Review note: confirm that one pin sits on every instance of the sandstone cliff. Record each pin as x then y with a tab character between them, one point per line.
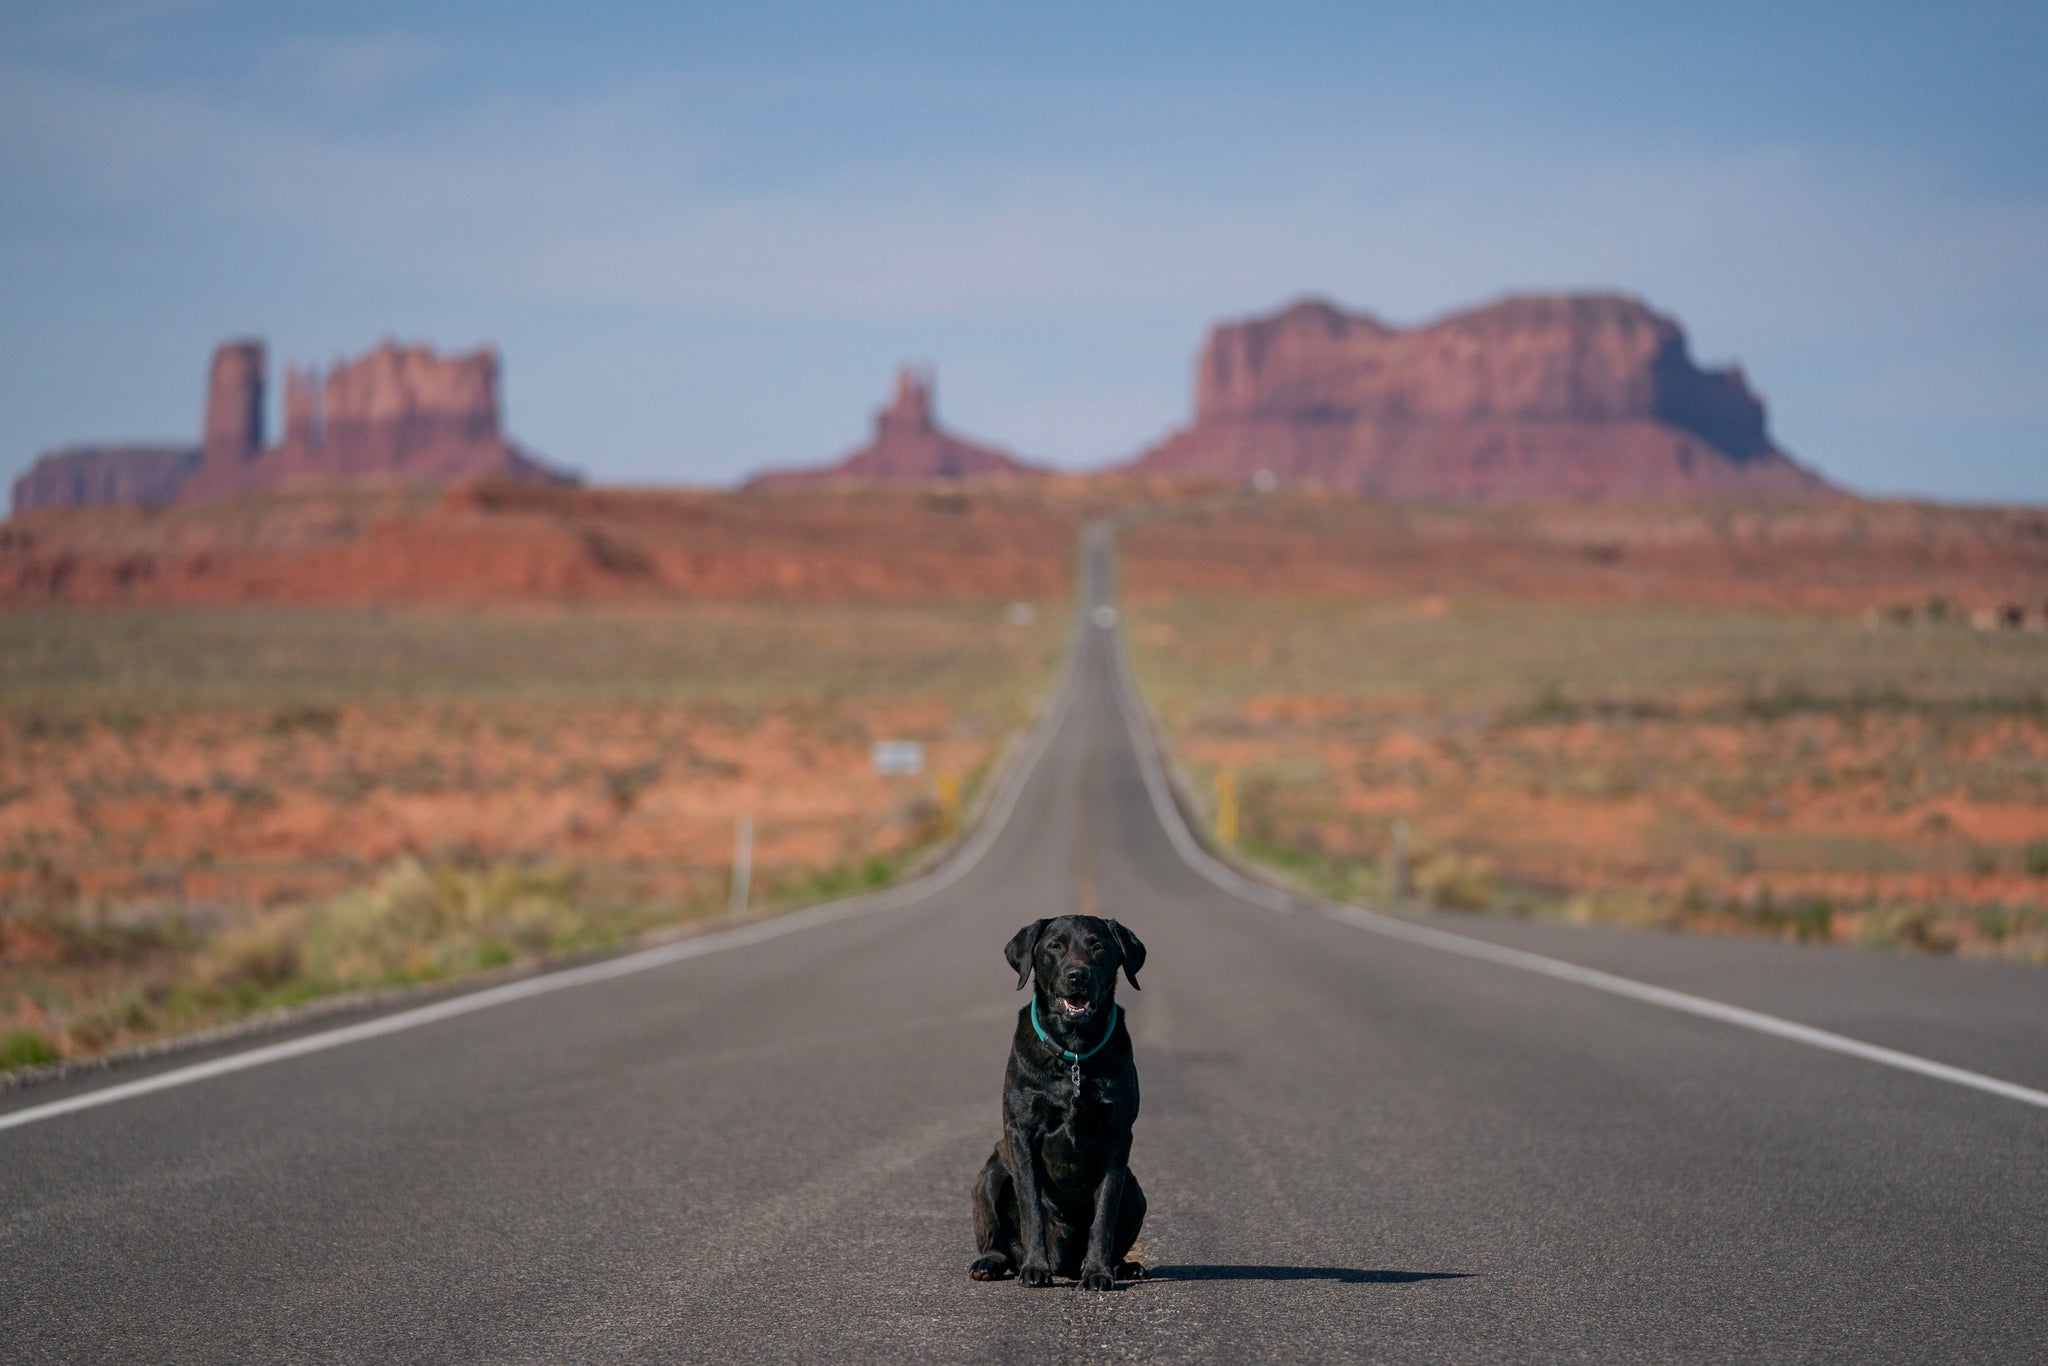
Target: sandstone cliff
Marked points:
908	444
493	542
146	475
476	544
1578	395
401	414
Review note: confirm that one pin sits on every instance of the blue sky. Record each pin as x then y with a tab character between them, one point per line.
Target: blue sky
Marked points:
704	235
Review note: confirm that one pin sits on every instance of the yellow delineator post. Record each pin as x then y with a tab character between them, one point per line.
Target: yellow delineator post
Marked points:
1226	806
949	799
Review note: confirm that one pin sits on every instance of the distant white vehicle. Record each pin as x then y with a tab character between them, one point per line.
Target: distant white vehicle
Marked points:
1104	616
1022	614
895	757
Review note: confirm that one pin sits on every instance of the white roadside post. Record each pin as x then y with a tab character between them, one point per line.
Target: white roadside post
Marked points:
1397	879
742	863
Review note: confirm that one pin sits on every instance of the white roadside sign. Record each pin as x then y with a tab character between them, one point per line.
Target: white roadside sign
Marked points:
897	756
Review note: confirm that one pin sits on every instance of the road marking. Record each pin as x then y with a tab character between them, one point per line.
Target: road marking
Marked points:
940	878
1086	902
1237	884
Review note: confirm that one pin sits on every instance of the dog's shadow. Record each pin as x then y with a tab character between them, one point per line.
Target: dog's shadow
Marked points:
1345	1275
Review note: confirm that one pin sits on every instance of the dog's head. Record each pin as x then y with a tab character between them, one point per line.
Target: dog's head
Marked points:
1074	960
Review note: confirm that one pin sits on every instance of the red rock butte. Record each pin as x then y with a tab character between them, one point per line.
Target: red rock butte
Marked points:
908	444
400	414
1537	396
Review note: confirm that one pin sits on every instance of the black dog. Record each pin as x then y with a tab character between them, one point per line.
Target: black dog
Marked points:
1057	1195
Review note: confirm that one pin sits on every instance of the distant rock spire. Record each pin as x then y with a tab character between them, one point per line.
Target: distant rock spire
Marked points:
302	406
909	444
234	404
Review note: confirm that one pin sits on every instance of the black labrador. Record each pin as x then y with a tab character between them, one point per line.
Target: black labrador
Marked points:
1057	1196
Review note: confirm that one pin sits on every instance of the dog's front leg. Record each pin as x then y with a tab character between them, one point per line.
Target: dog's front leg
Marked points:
1098	1268
1022	1143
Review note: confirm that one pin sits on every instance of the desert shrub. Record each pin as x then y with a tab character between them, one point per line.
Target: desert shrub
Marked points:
2034	858
181	1002
1549	705
423	921
1620	906
785	885
1913	927
624	785
1787	700
25	1048
94	1031
1806	918
924	820
1994	921
91	940
1456	882
248	796
1338	878
254	958
316	720
1809	918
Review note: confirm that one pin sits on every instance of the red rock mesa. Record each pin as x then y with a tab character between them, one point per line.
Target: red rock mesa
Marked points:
137	473
908	444
1572	395
401	414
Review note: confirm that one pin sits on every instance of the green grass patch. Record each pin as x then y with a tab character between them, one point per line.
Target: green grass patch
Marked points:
25	1048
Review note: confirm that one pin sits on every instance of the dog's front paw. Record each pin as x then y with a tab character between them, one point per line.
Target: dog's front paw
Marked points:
1097	1278
1035	1275
993	1267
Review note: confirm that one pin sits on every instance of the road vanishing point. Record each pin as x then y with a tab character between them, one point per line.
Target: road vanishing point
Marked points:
1442	1138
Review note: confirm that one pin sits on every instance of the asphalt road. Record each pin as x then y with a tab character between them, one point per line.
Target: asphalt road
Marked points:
1354	1145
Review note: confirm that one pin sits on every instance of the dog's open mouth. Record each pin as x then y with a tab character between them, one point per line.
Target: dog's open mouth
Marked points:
1073	1007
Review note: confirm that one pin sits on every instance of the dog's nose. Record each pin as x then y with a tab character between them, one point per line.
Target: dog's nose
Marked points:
1077	977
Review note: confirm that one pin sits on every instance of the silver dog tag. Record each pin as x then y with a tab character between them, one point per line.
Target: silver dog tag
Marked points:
1077	1078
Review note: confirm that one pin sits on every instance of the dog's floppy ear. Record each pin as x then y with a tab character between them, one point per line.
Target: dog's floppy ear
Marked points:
1133	950
1023	944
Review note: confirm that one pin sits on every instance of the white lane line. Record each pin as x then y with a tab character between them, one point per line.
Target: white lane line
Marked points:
1702	1006
1234	882
925	887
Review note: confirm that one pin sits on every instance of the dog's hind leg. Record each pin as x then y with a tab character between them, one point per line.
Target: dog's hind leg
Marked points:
997	1253
1130	1220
